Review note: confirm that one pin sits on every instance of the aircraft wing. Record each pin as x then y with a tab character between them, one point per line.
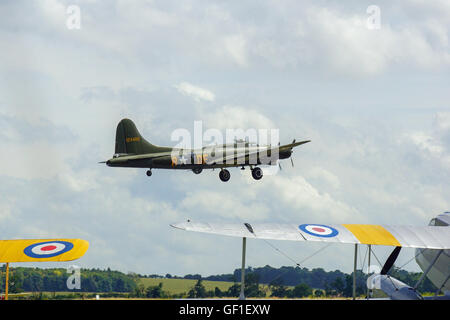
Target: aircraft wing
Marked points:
431	237
34	250
241	155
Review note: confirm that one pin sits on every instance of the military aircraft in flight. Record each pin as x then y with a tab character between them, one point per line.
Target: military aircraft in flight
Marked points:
132	150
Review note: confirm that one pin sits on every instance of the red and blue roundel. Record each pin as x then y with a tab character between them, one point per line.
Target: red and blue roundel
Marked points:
319	230
47	249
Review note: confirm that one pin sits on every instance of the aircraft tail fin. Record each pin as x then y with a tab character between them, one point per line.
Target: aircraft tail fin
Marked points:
130	141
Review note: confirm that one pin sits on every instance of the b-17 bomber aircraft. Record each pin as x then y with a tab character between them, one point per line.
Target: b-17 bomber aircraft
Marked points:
133	151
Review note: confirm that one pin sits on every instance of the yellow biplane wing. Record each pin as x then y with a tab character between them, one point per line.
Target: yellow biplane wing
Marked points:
40	250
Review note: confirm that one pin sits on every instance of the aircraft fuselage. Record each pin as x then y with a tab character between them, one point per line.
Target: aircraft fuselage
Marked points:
440	270
133	151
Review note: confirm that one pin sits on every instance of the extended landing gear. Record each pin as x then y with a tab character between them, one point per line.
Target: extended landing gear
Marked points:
224	175
197	170
149	173
257	173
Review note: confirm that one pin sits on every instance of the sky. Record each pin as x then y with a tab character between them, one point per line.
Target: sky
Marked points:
367	82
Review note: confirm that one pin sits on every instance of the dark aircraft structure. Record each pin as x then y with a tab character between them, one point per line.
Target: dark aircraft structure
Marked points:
133	151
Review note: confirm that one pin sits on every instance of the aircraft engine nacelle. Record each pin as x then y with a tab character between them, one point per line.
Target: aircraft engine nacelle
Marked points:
395	289
284	154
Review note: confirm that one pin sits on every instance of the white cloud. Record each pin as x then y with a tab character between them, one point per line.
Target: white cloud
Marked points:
442	121
326	176
235	45
35	160
343	42
434	143
225	205
300	195
5	210
237	117
195	92
427	142
55	12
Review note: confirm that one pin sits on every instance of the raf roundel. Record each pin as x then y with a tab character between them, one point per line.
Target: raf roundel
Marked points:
48	249
319	230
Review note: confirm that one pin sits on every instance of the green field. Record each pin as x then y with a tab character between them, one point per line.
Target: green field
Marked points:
177	286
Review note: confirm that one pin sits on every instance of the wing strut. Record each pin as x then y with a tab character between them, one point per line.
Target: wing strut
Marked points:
442	286
354	271
242	295
369	291
7	280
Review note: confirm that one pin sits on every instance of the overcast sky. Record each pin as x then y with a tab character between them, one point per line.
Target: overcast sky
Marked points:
374	101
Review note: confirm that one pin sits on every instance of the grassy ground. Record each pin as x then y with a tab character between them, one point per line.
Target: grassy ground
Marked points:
176	286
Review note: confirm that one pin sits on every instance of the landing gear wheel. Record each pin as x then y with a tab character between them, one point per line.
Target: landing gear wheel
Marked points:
197	170
149	173
257	173
224	175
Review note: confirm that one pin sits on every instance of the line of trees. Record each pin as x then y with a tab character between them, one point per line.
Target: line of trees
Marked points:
55	280
330	282
282	282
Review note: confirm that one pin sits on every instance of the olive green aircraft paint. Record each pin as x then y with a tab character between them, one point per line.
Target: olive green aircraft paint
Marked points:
130	141
133	151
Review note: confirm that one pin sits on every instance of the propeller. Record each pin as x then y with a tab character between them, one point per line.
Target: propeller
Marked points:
394	288
292	161
390	261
